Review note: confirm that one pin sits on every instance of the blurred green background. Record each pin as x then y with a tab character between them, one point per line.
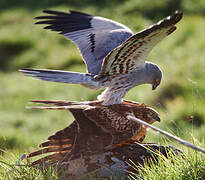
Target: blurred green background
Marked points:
180	99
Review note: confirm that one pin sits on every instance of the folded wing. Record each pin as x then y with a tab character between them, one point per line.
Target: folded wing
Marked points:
82	138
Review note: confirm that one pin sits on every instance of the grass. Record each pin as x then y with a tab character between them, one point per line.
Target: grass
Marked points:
180	99
21	170
189	166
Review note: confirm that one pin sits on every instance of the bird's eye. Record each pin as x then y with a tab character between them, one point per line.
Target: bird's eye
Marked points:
156	80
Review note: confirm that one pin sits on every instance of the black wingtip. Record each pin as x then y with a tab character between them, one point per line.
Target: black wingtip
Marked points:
60	13
53	12
64	22
171	20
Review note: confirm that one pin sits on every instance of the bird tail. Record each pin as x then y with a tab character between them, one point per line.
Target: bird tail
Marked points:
62	76
62	105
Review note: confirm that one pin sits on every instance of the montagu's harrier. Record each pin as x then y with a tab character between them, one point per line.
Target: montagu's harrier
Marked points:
96	128
114	56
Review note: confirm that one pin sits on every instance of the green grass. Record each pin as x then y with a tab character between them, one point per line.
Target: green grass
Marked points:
13	168
189	166
180	99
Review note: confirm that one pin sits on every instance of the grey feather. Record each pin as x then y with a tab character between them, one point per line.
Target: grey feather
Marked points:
95	36
123	68
61	76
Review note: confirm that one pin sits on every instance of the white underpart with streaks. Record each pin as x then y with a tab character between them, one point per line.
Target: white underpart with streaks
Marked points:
117	87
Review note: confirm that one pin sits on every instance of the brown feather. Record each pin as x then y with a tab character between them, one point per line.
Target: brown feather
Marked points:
95	129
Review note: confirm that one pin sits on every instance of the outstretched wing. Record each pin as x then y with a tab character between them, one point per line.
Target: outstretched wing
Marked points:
82	138
95	36
132	54
95	129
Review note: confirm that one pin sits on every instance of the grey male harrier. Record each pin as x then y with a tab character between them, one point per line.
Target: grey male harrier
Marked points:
115	57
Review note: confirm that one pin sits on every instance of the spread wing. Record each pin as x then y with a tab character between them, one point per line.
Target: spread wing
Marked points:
108	119
95	129
131	54
58	147
82	138
95	36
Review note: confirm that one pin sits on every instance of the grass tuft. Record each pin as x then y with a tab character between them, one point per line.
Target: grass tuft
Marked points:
189	166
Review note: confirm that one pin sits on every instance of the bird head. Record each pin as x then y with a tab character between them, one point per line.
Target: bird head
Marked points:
154	75
149	115
152	115
146	113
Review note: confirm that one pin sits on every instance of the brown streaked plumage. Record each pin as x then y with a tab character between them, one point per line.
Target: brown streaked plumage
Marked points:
96	128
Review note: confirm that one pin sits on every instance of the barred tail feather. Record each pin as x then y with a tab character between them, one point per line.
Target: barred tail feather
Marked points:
59	107
59	102
61	76
57	148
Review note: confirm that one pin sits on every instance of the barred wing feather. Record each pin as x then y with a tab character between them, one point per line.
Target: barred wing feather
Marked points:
132	54
95	36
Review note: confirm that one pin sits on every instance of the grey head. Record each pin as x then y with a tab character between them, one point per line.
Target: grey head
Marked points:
153	74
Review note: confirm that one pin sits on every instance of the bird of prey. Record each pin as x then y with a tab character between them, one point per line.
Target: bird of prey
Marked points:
96	128
118	163
115	57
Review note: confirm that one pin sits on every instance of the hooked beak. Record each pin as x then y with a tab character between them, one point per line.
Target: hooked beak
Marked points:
157	118
154	86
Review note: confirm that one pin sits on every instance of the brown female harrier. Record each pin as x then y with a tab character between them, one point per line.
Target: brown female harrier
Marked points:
96	128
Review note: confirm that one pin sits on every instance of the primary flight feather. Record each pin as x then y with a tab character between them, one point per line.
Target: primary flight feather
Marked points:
115	57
